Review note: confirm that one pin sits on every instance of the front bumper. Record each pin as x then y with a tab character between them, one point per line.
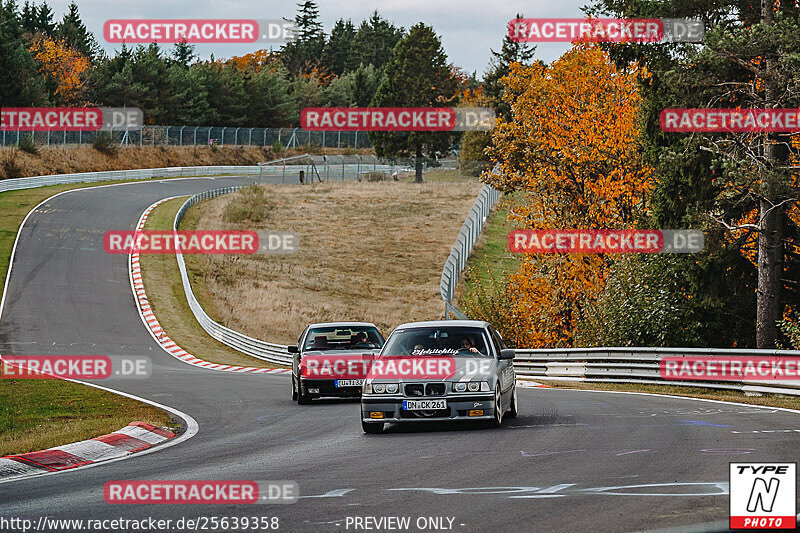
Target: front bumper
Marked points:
327	388
458	408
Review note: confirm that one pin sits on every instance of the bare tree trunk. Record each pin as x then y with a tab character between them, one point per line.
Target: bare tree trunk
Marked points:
770	249
770	269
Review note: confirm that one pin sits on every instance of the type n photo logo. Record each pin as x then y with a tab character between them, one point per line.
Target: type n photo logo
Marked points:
763	495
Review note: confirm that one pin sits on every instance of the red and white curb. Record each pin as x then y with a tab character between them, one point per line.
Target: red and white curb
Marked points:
134	437
151	322
530	384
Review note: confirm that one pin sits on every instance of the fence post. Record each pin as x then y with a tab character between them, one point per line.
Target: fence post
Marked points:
222	139
180	136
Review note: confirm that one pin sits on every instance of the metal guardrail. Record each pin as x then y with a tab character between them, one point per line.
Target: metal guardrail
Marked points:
197	136
277	353
638	365
467	236
604	365
118	175
267	351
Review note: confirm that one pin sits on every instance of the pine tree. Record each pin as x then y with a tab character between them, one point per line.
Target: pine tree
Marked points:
373	42
73	30
44	19
511	52
336	56
416	75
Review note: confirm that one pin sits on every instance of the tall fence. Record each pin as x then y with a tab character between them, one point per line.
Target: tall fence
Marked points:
459	253
334	168
196	136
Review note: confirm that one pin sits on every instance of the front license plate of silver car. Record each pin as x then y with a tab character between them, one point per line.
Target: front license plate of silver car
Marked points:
424	405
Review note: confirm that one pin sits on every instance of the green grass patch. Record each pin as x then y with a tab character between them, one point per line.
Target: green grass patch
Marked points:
40	414
490	259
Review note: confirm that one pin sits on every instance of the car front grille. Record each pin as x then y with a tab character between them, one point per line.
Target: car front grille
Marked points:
415	389
434	389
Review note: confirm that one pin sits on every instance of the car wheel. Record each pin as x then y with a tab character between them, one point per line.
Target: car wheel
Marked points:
302	399
497	420
294	388
372	427
512	413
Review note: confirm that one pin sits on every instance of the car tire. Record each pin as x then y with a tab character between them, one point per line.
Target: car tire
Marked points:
512	413
497	419
372	428
294	389
302	399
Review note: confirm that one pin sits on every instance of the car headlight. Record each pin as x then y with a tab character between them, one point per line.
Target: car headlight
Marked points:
484	386
460	387
379	388
473	386
368	388
391	388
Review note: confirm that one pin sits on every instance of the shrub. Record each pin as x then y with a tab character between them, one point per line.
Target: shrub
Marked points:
277	147
249	205
10	166
105	144
27	144
312	148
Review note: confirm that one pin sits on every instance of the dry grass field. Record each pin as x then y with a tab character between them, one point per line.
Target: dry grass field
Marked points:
368	251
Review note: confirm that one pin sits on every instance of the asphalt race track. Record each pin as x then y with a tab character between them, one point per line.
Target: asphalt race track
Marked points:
572	461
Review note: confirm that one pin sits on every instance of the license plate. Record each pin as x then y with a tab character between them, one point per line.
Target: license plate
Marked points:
349	382
424	405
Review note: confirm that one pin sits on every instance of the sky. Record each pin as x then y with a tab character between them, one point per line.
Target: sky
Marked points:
468	28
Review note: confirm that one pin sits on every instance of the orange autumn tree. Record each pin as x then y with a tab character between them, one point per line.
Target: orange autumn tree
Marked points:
65	66
571	149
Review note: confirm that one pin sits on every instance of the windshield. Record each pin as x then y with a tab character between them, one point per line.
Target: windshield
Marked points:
343	338
459	341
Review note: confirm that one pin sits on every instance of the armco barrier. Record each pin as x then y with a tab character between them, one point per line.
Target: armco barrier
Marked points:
277	353
267	351
638	365
120	175
459	253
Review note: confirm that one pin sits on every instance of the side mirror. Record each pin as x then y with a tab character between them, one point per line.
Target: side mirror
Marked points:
507	354
292	349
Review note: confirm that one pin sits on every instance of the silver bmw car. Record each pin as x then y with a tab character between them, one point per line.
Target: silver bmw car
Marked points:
439	371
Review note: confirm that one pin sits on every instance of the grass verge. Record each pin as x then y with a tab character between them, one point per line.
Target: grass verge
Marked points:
771	400
162	281
39	414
